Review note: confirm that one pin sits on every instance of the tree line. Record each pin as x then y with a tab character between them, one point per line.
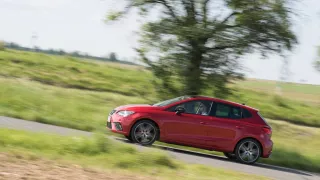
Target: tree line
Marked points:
112	57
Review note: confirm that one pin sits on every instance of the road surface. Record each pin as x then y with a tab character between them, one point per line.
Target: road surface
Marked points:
274	172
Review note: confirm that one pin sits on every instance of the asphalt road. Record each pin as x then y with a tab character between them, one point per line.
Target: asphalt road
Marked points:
274	172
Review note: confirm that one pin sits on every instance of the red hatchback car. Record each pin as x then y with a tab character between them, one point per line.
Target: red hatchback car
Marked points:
197	121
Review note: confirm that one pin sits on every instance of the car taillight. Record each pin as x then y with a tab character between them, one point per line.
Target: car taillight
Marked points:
267	130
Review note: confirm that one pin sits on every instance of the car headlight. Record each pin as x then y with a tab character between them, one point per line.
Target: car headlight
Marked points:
125	113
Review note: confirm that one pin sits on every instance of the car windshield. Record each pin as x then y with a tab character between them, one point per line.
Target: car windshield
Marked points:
171	101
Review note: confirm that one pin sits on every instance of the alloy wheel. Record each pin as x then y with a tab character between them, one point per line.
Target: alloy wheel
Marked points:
248	151
144	133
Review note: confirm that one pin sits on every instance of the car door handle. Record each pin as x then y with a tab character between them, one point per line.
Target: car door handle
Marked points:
202	123
239	127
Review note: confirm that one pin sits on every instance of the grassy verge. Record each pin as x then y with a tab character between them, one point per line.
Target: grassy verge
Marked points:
295	146
73	108
134	82
101	152
28	166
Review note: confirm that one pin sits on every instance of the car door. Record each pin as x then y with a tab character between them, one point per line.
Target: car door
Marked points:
189	127
224	126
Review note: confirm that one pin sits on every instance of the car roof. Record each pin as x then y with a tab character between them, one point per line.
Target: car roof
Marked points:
224	101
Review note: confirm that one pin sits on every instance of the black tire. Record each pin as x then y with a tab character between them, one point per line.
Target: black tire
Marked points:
230	156
247	154
146	139
129	138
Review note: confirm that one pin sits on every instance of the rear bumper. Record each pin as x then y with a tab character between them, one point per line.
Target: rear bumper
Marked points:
267	149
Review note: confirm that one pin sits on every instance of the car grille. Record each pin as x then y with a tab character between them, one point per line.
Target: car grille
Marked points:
118	126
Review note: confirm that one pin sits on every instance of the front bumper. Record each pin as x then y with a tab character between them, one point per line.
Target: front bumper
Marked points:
119	124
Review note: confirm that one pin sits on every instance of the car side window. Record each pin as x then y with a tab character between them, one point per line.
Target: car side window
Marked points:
228	111
236	113
222	110
195	107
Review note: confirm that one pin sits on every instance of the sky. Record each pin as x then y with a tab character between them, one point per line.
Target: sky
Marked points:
78	25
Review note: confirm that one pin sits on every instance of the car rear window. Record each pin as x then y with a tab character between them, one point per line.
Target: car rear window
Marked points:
246	113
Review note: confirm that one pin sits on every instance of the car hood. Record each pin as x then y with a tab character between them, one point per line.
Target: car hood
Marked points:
135	107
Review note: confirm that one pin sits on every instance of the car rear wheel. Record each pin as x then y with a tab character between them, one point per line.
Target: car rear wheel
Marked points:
230	156
144	132
248	151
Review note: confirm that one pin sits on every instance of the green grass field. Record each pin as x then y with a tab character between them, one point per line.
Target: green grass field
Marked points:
306	93
79	109
77	94
69	72
104	153
135	83
295	146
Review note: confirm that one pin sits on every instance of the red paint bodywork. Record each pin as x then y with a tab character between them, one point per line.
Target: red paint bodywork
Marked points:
206	132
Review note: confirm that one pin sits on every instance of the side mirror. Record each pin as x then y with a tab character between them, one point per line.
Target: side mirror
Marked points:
180	110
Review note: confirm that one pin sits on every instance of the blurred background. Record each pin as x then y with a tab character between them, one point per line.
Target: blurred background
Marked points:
69	63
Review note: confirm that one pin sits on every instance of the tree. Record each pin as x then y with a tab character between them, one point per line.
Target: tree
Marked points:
76	54
61	52
200	45
113	57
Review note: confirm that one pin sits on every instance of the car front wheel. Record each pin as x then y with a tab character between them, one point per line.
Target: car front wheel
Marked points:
248	151
144	132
